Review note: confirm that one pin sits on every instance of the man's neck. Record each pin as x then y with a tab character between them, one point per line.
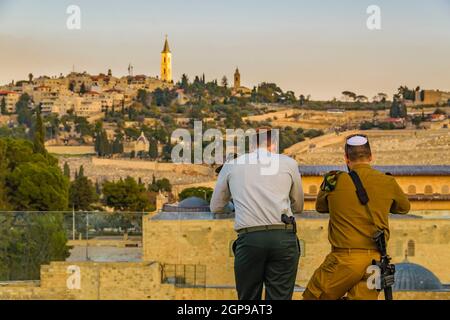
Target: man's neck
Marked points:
352	165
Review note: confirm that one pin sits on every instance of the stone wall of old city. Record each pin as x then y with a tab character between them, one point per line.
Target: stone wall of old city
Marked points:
208	243
102	281
133	281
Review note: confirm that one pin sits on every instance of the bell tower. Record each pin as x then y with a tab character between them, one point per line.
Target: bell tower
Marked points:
237	79
166	63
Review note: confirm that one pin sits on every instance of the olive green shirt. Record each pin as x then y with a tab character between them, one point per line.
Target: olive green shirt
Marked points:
350	225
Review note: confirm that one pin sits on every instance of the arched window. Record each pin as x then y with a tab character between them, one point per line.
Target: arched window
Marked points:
428	189
445	190
412	190
411	248
312	189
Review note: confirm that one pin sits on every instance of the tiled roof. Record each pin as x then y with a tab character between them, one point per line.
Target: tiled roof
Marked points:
3	93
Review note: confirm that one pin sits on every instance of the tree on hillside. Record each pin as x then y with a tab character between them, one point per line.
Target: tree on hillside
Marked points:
72	86
103	147
199	192
66	170
361	98
117	146
382	97
406	93
153	149
184	82
160	185
83	88
33	181
30	78
24	114
31	240
224	82
349	96
301	99
82	193
126	195
398	109
39	134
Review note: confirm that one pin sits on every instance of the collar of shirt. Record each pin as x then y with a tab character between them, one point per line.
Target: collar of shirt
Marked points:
361	165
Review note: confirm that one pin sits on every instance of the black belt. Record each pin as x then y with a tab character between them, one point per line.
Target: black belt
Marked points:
266	228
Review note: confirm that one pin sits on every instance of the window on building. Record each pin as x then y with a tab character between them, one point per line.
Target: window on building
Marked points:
411	251
445	189
428	189
313	189
412	190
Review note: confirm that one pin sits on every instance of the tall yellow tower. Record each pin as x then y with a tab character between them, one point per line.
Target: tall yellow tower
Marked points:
166	63
237	79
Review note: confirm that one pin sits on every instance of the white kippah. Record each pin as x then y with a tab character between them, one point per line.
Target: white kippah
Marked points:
357	141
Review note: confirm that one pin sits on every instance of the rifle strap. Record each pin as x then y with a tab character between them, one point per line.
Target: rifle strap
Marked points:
363	198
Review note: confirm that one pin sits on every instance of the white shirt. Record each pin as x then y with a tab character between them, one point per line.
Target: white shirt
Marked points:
262	185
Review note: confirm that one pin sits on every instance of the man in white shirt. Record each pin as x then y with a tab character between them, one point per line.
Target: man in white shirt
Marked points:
264	187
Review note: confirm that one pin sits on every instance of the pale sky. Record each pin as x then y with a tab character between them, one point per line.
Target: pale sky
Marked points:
311	47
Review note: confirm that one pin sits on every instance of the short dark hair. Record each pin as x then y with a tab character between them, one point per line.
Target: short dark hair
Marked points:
264	135
355	153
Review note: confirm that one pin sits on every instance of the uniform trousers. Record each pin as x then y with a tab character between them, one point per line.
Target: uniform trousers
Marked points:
343	273
266	258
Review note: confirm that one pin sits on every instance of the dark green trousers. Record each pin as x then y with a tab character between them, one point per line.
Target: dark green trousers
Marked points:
268	258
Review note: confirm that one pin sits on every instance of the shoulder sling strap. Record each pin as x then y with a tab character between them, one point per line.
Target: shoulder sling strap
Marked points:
361	193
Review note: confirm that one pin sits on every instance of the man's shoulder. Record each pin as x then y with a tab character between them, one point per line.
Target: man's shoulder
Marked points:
385	177
288	160
330	180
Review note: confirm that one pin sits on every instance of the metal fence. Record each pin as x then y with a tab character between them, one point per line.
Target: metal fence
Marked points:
31	239
183	275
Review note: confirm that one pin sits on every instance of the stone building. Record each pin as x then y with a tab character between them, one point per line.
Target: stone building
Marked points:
430	97
11	98
428	187
166	63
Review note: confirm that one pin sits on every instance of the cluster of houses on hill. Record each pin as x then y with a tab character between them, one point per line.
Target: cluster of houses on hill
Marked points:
84	94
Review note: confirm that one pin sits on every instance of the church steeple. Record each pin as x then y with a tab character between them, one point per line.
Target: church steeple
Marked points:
166	46
166	63
237	79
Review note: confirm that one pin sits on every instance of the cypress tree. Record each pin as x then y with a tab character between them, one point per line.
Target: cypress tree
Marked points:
39	134
66	170
81	172
153	149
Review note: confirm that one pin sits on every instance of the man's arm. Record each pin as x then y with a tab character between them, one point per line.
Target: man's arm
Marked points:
322	202
221	195
296	194
400	204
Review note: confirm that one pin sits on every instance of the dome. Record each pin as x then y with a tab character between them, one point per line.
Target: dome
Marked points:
414	277
193	202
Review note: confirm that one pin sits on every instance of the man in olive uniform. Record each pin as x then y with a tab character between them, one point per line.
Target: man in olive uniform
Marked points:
267	251
352	225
